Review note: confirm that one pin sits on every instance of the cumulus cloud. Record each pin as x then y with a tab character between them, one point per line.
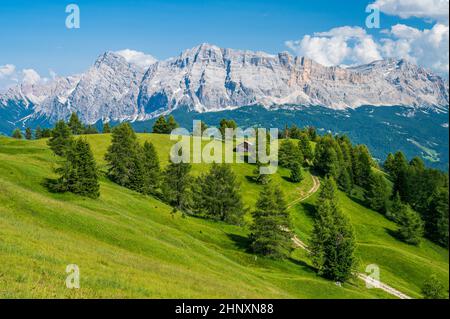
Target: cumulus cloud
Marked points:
136	57
427	9
30	76
428	47
343	45
7	70
352	45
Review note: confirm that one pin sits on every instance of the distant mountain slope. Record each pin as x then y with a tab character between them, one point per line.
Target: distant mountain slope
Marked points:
207	78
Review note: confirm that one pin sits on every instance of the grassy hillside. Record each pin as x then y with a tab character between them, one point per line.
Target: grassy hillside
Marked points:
130	245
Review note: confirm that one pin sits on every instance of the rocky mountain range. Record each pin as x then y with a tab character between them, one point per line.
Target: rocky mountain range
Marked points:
207	78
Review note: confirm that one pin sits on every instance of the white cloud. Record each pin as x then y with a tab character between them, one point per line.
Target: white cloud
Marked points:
343	45
428	47
136	57
427	9
30	76
7	70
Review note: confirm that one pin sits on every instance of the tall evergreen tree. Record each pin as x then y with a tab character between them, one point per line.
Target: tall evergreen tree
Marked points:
436	218
17	134
61	138
410	227
123	158
106	128
28	133
389	164
270	231
176	185
75	125
296	172
220	195
78	174
259	178
396	208
152	171
90	129
377	193
171	124
362	162
289	153
332	242
305	147
38	133
345	181
327	157
161	126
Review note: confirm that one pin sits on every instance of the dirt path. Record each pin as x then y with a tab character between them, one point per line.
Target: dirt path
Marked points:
368	280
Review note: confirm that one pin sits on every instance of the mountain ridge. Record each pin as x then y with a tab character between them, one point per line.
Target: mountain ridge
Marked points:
207	78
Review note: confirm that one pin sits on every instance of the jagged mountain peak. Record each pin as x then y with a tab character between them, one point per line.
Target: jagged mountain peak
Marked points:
209	78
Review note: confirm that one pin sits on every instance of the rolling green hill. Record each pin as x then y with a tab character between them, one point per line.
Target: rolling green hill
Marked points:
130	245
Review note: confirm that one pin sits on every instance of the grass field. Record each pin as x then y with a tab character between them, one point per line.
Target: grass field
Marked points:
129	245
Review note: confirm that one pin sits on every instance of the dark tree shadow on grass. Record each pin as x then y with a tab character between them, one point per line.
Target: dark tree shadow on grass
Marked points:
241	242
303	264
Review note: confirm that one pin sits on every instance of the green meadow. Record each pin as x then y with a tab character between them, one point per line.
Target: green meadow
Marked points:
128	245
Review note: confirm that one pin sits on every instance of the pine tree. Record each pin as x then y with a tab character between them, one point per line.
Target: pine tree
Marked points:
89	129
326	157
38	133
345	181
46	133
221	198
75	125
176	185
123	157
362	162
270	234
433	289
305	147
396	209
161	126
332	242
106	128
152	171
389	164
61	138
436	218
410	227
289	153
17	134
171	124
376	194
78	174
296	173
28	133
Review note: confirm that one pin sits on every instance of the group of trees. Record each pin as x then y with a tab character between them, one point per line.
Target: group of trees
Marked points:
76	127
163	126
422	195
78	170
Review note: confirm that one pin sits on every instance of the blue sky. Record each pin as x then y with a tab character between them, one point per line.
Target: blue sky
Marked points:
33	33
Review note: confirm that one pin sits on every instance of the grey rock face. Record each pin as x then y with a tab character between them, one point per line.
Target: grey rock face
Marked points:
208	78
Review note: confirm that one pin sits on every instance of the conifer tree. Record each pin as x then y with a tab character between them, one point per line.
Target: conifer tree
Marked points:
90	129
123	157
38	133
161	126
75	125
345	181
296	173
433	289
152	171
436	218
410	227
305	147
389	164
259	178
176	185
270	231
362	162
171	124
17	134
28	133
326	157
61	138
78	174
289	153
221	198
377	193
106	128
332	243
396	208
